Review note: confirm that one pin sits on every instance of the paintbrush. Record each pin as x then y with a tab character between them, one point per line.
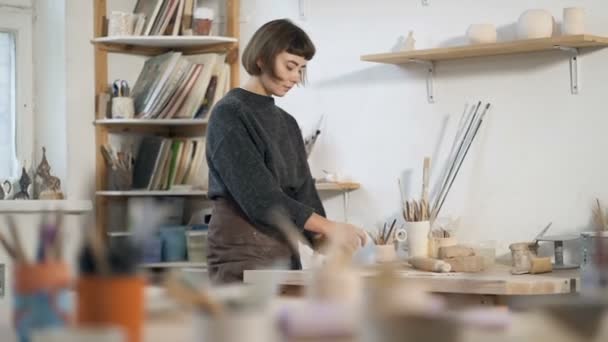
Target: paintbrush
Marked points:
9	249
389	237
600	216
19	253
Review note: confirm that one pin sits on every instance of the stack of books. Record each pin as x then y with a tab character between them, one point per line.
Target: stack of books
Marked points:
170	163
164	17
172	85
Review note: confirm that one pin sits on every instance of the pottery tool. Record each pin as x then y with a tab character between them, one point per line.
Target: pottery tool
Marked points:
542	232
426	169
461	154
558	249
430	265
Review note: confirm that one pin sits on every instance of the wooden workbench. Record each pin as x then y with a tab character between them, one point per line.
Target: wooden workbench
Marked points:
494	286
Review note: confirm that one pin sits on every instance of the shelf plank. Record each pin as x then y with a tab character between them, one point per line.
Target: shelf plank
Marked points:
157	193
149	45
70	207
170	42
337	186
150	122
179	264
484	50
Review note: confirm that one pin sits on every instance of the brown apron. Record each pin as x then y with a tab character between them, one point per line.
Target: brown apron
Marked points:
235	245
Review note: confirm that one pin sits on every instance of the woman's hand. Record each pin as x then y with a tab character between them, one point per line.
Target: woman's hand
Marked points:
343	234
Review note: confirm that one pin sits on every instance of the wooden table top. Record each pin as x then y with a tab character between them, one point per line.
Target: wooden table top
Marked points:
495	281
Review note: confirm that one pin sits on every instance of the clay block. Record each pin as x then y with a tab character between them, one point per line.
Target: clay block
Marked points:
541	265
455	251
468	264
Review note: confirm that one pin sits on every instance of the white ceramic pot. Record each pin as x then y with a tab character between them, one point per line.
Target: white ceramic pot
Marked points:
481	34
573	21
533	24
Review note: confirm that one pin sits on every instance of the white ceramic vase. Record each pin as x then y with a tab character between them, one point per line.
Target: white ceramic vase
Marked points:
481	34
534	24
573	21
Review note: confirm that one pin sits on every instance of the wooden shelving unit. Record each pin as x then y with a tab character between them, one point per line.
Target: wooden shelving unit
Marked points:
428	57
69	207
150	46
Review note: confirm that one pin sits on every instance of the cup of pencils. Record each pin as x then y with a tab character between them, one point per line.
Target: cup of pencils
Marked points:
109	290
40	287
384	241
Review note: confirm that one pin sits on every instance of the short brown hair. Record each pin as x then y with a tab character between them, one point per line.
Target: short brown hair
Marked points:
270	40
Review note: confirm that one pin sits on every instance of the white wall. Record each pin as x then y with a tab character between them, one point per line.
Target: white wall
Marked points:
539	157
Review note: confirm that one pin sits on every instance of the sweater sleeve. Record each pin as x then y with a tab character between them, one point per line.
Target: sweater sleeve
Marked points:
307	193
242	170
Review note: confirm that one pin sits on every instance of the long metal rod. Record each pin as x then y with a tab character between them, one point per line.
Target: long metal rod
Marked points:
452	162
479	122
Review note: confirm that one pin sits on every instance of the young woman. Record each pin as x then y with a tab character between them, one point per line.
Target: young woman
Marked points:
257	162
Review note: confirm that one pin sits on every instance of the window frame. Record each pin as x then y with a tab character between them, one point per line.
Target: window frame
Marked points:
20	22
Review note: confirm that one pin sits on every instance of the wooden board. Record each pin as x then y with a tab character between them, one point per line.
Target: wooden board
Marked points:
496	281
151	122
344	186
493	49
146	193
40	206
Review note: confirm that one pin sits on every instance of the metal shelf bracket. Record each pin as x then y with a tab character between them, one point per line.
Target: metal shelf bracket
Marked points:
430	92
574	82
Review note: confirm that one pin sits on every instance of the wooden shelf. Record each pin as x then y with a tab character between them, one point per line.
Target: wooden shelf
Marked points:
150	122
70	207
484	50
337	186
146	193
569	44
179	264
148	45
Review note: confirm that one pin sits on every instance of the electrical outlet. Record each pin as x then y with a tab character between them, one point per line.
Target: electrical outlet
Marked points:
2	279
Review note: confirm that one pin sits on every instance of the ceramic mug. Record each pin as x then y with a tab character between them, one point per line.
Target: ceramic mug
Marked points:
5	189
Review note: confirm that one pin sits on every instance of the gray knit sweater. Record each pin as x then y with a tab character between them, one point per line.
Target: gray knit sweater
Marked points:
257	158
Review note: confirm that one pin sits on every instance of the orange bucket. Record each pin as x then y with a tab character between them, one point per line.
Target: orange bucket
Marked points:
115	301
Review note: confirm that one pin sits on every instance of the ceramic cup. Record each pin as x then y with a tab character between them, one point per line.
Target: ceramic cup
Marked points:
482	34
123	108
202	20
385	253
573	21
418	238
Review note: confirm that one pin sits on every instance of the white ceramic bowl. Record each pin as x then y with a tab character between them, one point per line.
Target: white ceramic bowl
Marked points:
481	34
534	24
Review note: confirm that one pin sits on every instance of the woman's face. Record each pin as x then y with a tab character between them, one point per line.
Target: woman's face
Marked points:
288	69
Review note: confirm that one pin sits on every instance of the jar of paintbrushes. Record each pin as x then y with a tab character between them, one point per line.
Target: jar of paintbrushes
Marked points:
119	168
417	218
40	287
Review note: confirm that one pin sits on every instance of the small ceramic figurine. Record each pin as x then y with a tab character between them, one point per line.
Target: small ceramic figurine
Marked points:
24	184
410	42
46	185
5	189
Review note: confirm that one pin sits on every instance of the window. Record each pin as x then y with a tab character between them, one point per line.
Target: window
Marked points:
16	87
8	152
